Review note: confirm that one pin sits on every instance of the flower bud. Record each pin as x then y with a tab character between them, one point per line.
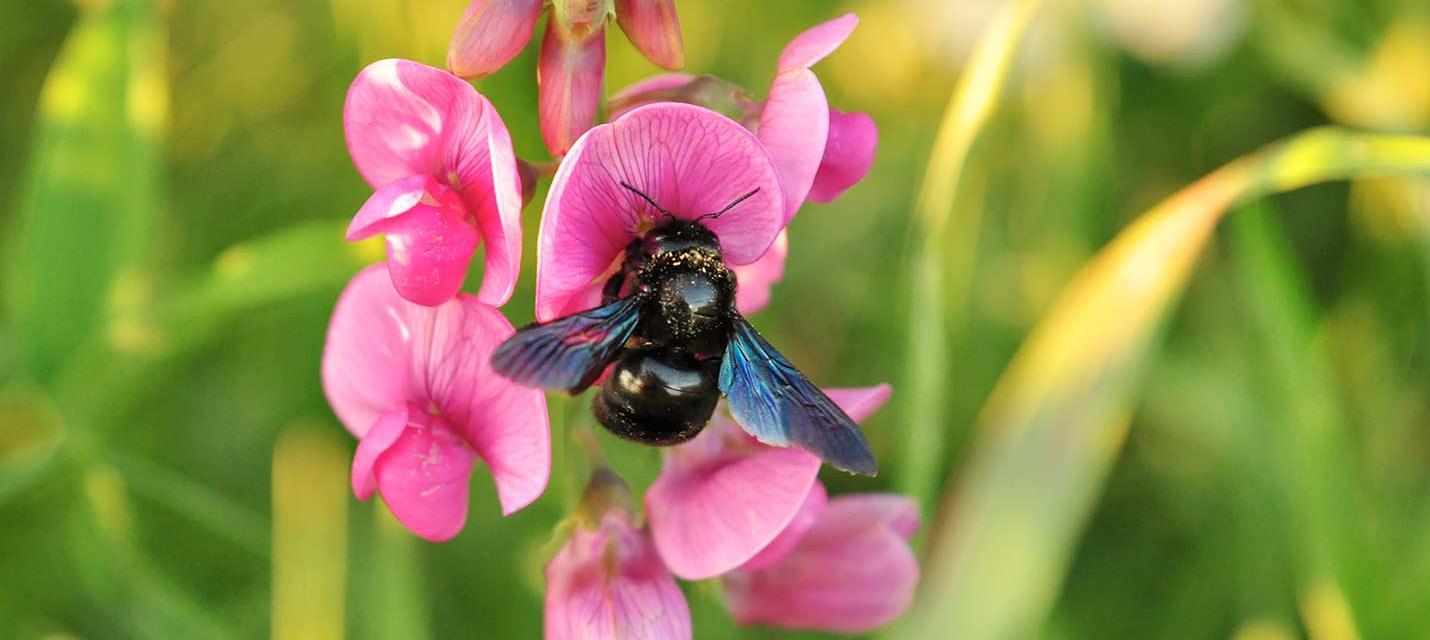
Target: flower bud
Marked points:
580	19
654	29
491	33
568	78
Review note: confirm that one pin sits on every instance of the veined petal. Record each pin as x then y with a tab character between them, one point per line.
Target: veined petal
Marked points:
852	572
848	154
654	29
424	475
490	34
793	533
609	584
569	73
714	507
383	352
690	160
757	278
795	122
485	168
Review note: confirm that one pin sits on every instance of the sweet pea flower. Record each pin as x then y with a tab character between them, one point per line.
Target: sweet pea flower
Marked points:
441	162
844	566
413	383
571	64
690	160
608	583
820	151
724	497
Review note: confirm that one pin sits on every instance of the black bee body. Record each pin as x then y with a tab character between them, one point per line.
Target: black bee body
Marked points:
673	343
663	387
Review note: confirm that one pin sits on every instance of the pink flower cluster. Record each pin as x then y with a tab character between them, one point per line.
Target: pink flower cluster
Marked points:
407	369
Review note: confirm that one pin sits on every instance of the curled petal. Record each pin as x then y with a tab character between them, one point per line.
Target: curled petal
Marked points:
852	572
795	122
490	34
848	154
569	72
690	160
423	477
491	187
654	29
755	279
429	248
374	443
387	203
384	352
793	533
608	583
722	498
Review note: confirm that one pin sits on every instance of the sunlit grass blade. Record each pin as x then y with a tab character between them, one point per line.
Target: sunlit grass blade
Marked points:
394	598
1047	436
310	525
923	396
92	193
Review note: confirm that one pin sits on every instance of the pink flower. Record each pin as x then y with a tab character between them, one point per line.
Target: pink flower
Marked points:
850	570
690	160
723	497
414	384
572	61
445	176
608	583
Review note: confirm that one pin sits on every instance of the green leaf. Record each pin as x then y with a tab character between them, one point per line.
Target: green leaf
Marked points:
91	197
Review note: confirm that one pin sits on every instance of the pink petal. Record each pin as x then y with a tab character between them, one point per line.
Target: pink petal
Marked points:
793	533
391	201
569	72
722	498
817	42
405	119
851	573
690	160
654	29
755	279
490	34
617	102
430	247
423	477
374	443
848	154
383	352
608	583
860	403
795	122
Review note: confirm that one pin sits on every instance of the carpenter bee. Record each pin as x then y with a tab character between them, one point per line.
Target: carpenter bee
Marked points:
668	323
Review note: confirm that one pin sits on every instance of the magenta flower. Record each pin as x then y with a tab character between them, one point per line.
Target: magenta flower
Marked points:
572	62
849	570
690	160
608	583
441	162
724	496
414	385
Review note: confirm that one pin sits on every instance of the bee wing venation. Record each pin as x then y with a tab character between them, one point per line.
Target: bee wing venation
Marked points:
569	353
777	405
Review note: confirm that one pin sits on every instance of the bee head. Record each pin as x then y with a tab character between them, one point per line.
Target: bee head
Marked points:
676	236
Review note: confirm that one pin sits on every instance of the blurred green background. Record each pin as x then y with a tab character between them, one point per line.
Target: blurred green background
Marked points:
175	183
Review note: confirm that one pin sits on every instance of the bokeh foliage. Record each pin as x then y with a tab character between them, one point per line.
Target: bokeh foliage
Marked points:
1243	454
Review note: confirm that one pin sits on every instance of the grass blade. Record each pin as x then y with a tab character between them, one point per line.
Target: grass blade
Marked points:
1047	436
970	107
310	525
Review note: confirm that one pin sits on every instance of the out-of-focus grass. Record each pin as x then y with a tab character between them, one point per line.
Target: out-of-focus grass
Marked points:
166	305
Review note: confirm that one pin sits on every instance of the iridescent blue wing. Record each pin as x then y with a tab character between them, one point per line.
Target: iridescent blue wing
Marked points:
568	354
775	403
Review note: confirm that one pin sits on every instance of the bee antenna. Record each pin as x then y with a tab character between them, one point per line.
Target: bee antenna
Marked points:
646	198
731	205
